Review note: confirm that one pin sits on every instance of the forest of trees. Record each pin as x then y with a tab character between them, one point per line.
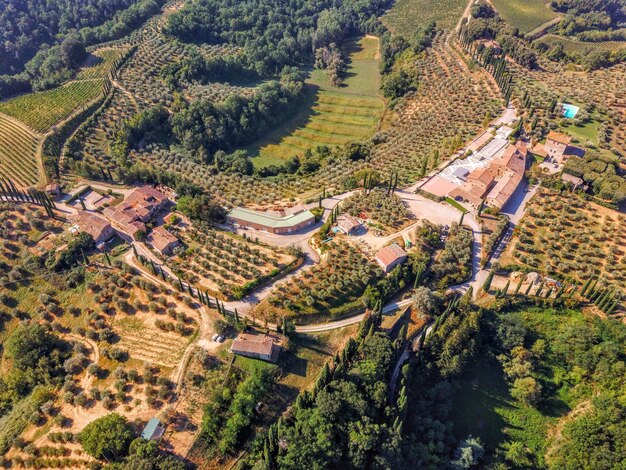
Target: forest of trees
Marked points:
274	34
592	20
36	36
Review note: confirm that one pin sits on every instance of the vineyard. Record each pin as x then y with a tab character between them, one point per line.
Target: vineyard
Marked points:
42	110
525	15
406	16
573	45
565	236
224	264
330	288
147	343
90	148
18	153
336	115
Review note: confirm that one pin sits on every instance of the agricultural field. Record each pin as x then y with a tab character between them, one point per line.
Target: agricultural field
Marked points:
565	236
225	265
331	288
42	110
332	115
122	339
18	153
386	212
525	15
406	16
99	63
89	150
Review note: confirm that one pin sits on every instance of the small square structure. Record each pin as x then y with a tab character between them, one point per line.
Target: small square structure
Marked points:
391	256
348	224
153	431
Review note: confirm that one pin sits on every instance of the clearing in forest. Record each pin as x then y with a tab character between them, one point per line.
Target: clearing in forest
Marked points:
525	15
406	16
332	115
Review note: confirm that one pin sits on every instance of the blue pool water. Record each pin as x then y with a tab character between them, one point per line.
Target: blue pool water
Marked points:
569	110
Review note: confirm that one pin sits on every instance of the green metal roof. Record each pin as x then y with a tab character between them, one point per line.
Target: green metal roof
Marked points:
150	428
269	220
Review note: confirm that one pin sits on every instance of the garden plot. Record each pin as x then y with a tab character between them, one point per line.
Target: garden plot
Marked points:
387	212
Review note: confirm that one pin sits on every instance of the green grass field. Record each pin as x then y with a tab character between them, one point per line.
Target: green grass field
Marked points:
525	15
41	110
331	115
407	15
571	46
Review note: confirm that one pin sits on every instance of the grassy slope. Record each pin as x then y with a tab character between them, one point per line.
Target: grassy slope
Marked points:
330	115
484	407
525	15
407	15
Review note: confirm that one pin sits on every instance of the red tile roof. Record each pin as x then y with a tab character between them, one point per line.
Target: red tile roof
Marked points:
560	138
390	253
253	344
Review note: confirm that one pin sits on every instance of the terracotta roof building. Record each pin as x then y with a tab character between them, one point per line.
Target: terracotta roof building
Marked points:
162	240
348	224
477	185
88	222
391	256
139	206
556	145
256	346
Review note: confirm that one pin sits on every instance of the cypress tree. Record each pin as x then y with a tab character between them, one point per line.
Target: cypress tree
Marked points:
585	286
505	289
106	255
530	286
487	283
518	287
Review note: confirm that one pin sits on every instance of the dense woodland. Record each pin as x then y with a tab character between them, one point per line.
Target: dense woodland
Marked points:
31	32
592	20
273	34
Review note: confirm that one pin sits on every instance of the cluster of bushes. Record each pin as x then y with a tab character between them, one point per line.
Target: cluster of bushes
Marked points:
602	172
454	264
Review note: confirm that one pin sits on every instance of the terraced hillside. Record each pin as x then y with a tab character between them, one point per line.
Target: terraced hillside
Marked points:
451	103
336	115
18	150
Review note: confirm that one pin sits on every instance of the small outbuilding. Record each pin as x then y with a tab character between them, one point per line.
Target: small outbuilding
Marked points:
348	224
162	240
391	256
256	346
153	431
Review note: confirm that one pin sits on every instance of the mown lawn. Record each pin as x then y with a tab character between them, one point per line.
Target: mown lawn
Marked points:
330	115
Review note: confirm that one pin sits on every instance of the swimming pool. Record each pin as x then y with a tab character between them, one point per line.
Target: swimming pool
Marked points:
569	110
